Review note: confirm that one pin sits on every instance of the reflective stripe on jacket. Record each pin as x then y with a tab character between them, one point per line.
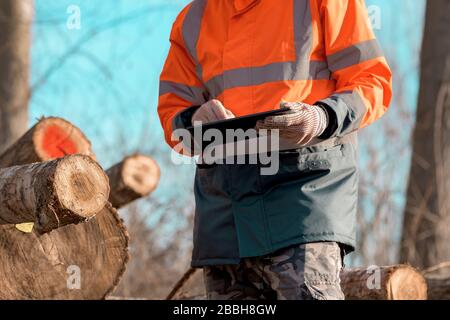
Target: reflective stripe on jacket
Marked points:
252	55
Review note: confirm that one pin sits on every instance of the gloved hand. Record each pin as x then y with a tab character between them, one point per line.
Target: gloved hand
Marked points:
211	111
300	125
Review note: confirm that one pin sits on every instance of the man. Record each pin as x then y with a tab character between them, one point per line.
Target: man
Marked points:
281	236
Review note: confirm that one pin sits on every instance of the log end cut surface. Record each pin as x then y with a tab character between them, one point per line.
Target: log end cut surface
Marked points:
135	177
406	283
82	186
55	138
141	174
398	282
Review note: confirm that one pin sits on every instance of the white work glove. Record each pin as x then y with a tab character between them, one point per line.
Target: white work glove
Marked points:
300	125
211	111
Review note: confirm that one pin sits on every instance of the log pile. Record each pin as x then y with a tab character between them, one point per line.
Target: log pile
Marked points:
49	177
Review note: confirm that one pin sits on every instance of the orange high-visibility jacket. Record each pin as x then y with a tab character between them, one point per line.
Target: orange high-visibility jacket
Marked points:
253	54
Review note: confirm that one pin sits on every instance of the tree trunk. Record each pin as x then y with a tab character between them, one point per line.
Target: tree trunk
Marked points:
53	194
399	282
15	39
95	252
426	236
133	178
49	139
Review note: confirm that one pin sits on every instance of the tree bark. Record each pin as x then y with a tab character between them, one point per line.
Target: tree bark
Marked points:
399	282
98	249
49	139
15	39
53	194
84	261
438	280
438	288
135	177
426	236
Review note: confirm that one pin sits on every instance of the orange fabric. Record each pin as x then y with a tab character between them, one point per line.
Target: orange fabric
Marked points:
243	4
236	34
346	23
178	68
289	91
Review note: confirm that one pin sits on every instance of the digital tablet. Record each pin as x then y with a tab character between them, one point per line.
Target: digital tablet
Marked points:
244	122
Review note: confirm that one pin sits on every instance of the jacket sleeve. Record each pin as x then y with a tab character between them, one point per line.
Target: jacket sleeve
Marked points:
356	61
180	90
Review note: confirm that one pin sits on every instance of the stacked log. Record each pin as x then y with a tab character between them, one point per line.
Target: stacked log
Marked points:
53	194
36	266
49	139
41	264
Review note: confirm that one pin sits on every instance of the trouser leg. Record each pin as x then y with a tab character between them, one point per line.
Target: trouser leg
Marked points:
235	282
306	272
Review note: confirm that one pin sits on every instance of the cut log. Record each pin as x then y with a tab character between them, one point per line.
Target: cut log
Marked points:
49	139
98	249
399	282
135	177
84	261
53	194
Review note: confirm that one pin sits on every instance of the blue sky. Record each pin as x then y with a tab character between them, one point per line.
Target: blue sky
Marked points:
106	82
104	77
